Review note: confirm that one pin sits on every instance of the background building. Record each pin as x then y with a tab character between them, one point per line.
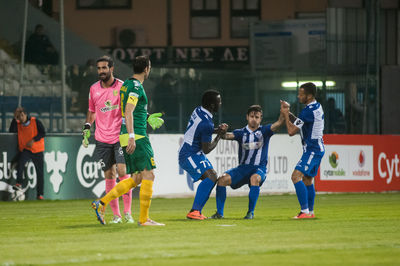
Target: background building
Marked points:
254	51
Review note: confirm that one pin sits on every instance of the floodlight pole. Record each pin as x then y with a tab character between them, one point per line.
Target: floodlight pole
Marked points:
63	103
21	75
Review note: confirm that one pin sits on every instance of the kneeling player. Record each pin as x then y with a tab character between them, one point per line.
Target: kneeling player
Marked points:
253	155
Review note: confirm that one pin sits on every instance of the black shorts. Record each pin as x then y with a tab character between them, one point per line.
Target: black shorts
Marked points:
108	154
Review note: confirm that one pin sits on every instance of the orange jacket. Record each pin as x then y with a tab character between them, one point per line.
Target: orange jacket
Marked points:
27	133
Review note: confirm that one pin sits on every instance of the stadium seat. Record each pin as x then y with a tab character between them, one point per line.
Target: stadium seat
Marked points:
57	122
45	118
9	118
33	73
4	57
11	88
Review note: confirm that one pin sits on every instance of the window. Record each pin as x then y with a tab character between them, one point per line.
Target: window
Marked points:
243	13
103	4
205	17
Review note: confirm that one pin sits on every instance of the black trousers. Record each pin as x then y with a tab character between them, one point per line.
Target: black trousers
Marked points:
37	159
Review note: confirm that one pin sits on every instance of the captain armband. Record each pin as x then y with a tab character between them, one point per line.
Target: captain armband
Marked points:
298	123
132	100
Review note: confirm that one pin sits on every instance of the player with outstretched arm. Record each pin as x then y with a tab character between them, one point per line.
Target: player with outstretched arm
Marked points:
197	142
310	124
253	141
138	153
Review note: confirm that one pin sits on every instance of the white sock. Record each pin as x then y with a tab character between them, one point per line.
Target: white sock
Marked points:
305	211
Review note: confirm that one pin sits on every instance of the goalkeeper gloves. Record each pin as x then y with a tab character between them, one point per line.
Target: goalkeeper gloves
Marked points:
155	121
85	135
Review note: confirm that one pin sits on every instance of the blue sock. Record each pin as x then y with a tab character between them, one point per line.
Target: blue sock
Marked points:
202	194
301	192
253	197
311	197
221	197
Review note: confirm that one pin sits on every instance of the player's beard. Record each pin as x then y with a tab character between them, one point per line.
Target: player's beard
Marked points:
105	77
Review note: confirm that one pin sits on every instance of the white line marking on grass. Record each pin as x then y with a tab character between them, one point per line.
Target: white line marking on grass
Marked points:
226	224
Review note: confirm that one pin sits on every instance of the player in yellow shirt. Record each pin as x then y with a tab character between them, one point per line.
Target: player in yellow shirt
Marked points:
138	153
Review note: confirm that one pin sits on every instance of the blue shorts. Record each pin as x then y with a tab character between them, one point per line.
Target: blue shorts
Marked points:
241	175
196	165
309	163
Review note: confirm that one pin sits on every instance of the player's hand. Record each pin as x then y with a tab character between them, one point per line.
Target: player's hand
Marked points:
131	146
29	144
285	111
222	129
85	135
155	120
285	104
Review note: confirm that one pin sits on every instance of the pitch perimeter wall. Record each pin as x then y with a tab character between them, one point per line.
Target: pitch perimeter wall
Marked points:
352	163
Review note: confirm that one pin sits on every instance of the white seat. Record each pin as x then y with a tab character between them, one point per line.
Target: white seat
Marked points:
32	72
11	71
44	117
11	88
57	122
4	56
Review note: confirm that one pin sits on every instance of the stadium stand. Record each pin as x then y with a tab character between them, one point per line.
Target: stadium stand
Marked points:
41	96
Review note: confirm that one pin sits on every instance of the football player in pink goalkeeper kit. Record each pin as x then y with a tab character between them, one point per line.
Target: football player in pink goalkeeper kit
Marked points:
104	107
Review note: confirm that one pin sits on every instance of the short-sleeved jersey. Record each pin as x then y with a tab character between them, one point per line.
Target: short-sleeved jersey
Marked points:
104	102
253	145
133	92
199	129
311	125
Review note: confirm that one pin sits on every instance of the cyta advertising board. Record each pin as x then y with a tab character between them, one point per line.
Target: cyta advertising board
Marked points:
360	163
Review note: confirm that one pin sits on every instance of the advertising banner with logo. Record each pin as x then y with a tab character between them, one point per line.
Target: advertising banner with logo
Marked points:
70	171
360	163
171	180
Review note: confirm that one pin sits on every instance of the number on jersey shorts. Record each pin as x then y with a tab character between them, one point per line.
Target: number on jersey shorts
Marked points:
196	165
142	158
108	154
309	163
241	175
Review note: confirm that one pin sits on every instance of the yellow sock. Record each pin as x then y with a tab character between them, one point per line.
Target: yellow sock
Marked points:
121	188
146	191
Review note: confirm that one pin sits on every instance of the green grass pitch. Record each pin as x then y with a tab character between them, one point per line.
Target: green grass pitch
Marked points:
351	229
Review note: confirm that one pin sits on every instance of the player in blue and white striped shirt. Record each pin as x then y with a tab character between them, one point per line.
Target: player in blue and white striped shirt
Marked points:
310	124
253	142
197	142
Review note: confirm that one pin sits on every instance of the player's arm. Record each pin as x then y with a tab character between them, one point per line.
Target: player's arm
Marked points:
228	136
90	117
207	147
129	108
41	131
291	128
290	119
278	124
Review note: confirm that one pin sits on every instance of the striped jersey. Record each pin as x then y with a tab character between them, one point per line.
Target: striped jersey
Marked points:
253	145
311	125
199	129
